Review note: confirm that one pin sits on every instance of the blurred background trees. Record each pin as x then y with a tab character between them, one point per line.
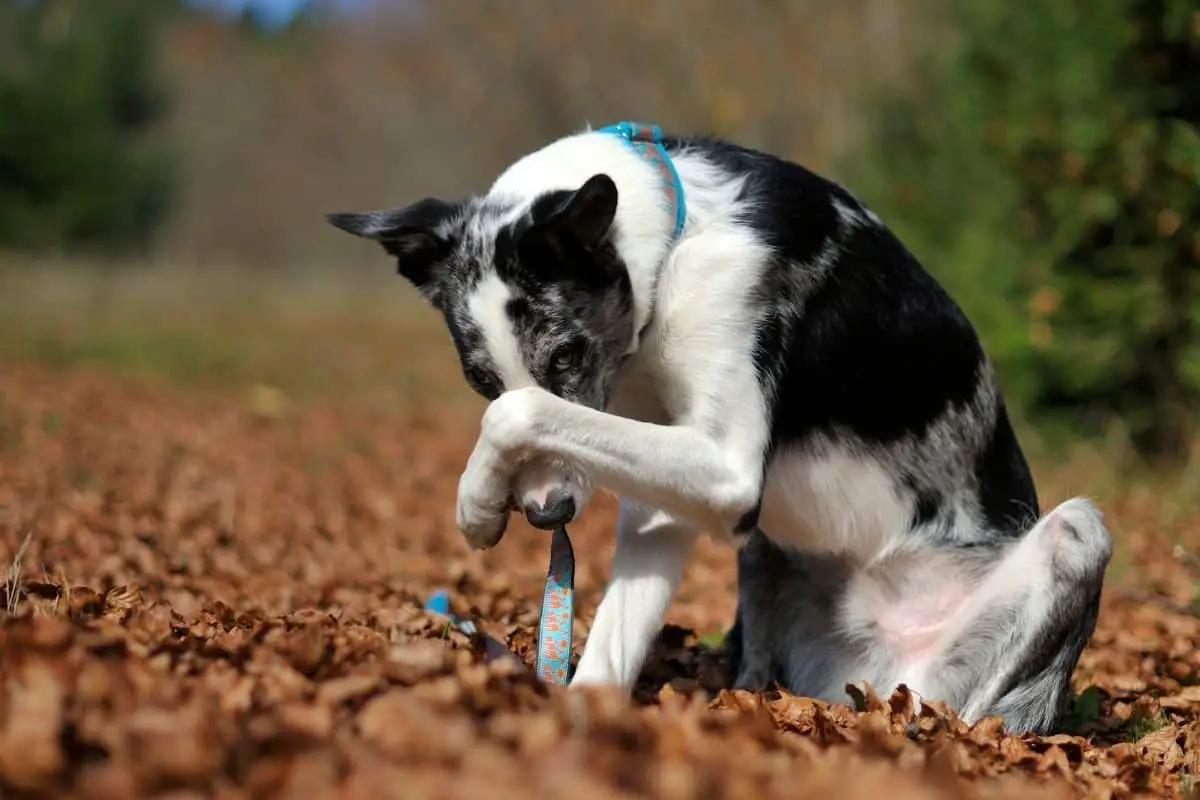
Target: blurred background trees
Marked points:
1045	163
80	98
1041	160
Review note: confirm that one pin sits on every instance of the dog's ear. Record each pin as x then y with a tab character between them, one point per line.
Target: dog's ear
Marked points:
413	234
581	218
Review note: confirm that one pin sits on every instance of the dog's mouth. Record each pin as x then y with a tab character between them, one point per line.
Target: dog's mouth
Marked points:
550	493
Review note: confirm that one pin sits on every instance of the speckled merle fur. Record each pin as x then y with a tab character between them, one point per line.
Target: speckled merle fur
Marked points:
786	376
582	315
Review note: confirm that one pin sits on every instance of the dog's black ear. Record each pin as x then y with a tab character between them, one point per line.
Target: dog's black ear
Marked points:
413	234
580	218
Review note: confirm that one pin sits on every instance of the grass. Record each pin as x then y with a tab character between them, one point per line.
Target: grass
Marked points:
1142	725
12	579
349	339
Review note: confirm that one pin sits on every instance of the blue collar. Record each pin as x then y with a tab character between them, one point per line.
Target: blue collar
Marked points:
647	140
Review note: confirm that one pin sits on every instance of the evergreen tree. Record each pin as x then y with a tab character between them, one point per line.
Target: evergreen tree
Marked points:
1046	168
80	98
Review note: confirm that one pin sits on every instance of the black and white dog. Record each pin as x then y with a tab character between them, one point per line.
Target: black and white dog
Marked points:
733	344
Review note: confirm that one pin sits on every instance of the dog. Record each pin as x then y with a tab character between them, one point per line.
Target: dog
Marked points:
736	346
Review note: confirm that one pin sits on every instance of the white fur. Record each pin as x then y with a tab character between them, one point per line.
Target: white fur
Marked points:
652	551
701	470
486	304
684	437
643	221
836	503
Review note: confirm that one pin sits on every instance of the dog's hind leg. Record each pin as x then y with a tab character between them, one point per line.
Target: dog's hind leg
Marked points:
748	641
1011	644
787	626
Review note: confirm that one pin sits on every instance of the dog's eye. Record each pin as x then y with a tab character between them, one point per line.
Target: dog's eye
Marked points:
567	356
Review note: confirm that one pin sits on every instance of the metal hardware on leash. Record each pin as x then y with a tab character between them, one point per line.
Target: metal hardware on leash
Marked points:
493	648
439	603
554	626
558	611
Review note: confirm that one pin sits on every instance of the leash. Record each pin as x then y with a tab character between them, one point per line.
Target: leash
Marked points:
558	611
558	596
554	627
493	648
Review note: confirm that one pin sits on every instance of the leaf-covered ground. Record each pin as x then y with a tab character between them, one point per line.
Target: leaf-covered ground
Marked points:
217	595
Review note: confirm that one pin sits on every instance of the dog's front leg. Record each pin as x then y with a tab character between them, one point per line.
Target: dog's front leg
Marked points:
483	492
652	551
673	480
682	469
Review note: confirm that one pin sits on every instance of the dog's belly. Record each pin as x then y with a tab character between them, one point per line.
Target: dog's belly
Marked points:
908	602
835	503
815	621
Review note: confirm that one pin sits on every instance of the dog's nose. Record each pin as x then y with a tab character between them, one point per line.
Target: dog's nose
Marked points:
558	510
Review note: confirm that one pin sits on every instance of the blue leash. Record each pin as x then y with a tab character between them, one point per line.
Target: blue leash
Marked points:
439	603
558	612
558	597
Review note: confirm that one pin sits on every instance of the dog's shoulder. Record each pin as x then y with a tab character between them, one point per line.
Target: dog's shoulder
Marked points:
843	304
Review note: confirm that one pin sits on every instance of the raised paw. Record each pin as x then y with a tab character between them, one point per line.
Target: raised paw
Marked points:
485	488
484	500
482	526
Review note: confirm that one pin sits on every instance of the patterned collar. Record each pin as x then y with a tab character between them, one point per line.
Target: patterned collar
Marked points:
648	140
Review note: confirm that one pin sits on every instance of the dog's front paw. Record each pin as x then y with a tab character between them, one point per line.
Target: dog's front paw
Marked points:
484	490
482	508
510	420
481	527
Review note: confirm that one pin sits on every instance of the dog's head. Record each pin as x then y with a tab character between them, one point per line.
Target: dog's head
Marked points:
533	293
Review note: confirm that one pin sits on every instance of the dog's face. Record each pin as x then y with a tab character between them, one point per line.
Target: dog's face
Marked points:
533	294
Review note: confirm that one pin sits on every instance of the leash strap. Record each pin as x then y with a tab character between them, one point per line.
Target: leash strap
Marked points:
647	140
558	596
558	611
493	648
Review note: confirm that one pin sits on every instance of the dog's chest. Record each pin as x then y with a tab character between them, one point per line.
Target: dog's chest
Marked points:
640	392
834	502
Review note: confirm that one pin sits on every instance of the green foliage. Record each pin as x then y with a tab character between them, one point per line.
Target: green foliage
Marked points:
1086	708
79	101
1144	723
1044	166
